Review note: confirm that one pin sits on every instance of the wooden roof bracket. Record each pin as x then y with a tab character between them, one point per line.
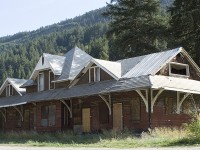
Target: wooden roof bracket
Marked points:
180	101
20	112
68	107
3	114
153	99
144	98
107	101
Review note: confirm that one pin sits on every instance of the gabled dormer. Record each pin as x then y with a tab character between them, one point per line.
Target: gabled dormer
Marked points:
11	87
47	69
98	70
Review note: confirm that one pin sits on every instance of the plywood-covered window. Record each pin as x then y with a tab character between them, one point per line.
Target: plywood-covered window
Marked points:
51	78
170	105
94	74
103	113
9	90
48	115
135	109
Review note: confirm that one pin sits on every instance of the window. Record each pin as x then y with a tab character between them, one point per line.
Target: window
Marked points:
48	115
170	106
103	113
9	90
51	78
135	109
94	74
178	69
41	82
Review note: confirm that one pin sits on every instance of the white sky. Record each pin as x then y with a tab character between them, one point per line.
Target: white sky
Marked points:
27	15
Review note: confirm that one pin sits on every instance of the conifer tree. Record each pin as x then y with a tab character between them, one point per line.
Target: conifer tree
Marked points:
185	26
136	26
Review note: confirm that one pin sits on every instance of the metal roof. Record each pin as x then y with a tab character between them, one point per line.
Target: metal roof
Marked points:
77	91
151	64
75	61
16	83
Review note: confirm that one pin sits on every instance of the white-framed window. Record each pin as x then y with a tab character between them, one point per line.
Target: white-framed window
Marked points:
9	90
94	74
179	69
51	78
41	82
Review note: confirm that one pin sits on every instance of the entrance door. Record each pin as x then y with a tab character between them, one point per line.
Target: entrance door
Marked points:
27	120
86	119
117	116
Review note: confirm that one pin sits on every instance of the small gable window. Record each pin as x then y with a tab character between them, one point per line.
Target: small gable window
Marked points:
9	90
94	74
178	69
51	78
41	82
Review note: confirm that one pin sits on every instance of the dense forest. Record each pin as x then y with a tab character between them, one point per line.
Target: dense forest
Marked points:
122	29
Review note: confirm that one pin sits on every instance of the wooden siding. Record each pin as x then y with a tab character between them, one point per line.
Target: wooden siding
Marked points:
62	84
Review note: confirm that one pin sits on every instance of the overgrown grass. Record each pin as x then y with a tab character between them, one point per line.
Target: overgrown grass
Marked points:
159	137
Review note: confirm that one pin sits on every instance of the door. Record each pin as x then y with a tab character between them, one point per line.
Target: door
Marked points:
117	116
86	119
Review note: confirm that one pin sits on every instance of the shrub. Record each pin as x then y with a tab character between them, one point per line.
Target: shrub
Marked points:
194	126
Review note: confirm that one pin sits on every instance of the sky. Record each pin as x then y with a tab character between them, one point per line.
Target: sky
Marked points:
27	15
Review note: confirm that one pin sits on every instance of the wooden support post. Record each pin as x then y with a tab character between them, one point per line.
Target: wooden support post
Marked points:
144	98
68	107
20	112
107	101
180	102
3	114
153	99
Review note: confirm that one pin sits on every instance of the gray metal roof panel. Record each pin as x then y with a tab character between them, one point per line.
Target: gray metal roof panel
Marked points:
77	91
75	61
151	63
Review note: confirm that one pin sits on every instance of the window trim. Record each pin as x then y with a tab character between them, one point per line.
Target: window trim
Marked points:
9	92
39	82
94	74
50	80
180	64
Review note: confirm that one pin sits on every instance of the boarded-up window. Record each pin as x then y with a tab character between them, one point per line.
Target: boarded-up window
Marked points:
170	105
94	74
48	115
135	109
103	113
9	90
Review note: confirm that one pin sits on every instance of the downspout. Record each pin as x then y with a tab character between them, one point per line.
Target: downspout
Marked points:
149	109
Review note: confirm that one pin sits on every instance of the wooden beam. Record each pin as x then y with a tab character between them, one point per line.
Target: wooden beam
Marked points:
20	112
108	102
68	107
144	98
155	98
180	102
3	114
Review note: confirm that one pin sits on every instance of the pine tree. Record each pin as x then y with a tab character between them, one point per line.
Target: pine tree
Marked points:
136	26
185	26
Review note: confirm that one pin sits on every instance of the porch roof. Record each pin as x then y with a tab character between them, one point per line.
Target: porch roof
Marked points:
78	91
142	82
175	84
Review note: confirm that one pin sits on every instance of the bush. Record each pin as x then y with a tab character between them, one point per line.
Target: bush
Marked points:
194	126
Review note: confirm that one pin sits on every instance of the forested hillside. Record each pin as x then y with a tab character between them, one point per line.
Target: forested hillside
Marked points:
19	53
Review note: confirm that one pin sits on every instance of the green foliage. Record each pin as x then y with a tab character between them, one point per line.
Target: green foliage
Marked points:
185	26
194	127
19	53
136	27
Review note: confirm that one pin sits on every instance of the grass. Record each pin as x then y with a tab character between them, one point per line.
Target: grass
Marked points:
159	137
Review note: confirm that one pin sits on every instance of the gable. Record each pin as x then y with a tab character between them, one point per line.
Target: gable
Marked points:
48	61
182	65
84	77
